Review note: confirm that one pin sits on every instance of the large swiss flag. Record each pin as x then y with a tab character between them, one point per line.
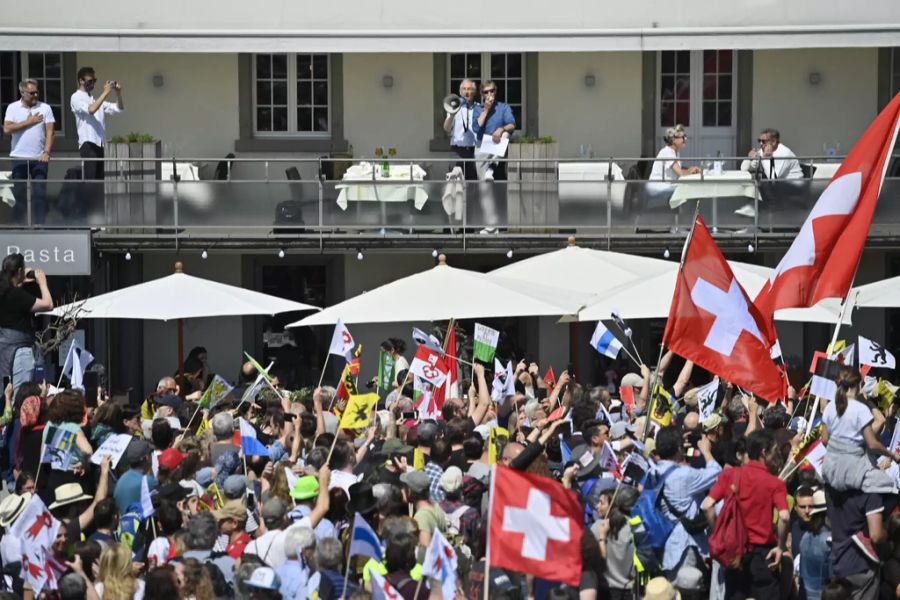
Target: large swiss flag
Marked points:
535	526
713	323
822	260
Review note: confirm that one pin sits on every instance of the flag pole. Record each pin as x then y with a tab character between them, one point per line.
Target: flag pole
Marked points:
487	538
347	570
324	366
653	395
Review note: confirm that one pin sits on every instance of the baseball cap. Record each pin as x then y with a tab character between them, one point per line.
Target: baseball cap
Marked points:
170	400
306	487
426	433
235	486
170	458
393	446
451	480
417	481
264	578
173	491
137	449
712	421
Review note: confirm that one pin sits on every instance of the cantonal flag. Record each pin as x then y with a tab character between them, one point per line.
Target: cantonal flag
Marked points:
485	343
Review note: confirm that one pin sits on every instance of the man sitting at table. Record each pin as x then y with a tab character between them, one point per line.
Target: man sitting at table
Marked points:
772	159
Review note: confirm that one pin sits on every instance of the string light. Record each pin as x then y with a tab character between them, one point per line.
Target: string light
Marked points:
281	253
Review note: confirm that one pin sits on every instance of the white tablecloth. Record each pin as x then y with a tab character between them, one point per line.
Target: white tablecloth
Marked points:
729	184
6	188
186	171
825	170
382	192
587	181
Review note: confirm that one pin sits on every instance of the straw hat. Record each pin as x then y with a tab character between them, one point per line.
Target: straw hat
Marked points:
69	493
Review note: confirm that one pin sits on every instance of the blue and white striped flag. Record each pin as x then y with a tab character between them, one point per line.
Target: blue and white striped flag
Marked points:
604	342
364	541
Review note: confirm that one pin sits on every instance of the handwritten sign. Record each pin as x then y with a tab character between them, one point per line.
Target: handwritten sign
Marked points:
114	447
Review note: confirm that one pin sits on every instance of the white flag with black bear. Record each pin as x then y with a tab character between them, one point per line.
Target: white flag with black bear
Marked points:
874	354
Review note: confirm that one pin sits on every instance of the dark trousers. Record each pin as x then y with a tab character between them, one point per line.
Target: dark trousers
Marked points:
468	166
754	579
91	196
93	169
22	171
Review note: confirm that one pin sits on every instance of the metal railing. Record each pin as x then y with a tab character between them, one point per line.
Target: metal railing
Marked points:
302	198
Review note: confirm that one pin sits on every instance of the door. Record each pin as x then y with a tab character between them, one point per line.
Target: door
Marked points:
698	89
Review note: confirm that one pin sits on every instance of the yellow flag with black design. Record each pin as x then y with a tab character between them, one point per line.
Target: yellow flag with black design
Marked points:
359	410
418	460
497	440
886	392
204	425
663	409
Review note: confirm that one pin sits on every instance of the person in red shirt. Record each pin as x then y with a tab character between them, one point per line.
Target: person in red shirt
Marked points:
760	493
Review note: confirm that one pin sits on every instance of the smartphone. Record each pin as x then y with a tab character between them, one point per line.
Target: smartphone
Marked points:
411	415
91	383
565	429
6	381
39	374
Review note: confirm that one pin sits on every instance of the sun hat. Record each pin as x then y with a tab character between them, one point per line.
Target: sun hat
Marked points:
660	588
819	504
12	506
68	493
264	578
451	480
233	509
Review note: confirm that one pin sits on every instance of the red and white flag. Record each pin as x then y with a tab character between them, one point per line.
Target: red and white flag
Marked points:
815	456
822	260
450	389
429	365
381	589
535	526
36	529
609	462
341	341
713	323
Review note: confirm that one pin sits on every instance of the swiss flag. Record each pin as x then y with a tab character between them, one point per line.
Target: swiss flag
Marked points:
822	260
535	526
713	323
450	389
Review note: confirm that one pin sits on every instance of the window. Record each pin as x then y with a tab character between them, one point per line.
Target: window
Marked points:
292	95
506	70
675	88
717	88
44	67
895	71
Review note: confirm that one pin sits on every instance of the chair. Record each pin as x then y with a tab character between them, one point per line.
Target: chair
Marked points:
290	212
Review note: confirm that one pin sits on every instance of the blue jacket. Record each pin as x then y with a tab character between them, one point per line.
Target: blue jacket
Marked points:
499	116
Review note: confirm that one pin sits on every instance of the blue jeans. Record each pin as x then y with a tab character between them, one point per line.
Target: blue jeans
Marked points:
23	367
22	170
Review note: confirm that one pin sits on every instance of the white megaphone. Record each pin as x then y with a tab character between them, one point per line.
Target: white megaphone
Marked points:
452	103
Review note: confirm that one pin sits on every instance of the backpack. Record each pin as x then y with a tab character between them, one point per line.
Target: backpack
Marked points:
728	541
458	541
654	523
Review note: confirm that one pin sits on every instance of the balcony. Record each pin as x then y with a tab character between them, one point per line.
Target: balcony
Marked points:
307	204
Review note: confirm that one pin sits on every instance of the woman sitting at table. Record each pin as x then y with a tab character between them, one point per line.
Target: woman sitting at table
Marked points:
667	166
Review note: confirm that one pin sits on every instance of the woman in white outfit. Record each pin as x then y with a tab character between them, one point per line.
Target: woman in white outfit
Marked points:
667	166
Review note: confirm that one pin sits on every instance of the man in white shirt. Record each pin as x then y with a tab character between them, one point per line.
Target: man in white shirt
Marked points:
459	126
90	118
772	158
30	122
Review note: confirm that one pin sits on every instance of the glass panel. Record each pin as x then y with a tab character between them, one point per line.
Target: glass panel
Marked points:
473	66
514	92
683	60
724	87
304	93
724	114
264	118
6	63
501	91
320	119
514	65
454	85
279	66
668	62
304	66
458	65
263	92
726	59
52	62
683	87
35	65
52	94
683	113
279	92
709	87
304	119
280	118
320	93
263	66
709	114
320	66
667	87
517	115
667	114
498	65
709	61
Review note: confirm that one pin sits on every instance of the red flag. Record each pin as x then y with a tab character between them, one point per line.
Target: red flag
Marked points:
822	260
550	378
557	413
713	323
535	526
626	393
446	391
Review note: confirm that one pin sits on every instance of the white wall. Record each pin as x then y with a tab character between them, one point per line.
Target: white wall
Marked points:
221	336
400	116
837	109
194	113
607	116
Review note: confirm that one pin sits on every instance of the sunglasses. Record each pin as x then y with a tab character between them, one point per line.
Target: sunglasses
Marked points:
762	141
491	91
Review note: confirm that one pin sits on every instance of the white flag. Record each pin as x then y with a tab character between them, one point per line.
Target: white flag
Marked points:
504	384
816	456
36	529
608	460
484	343
381	589
706	398
146	501
440	564
341	341
77	361
429	341
895	440
874	354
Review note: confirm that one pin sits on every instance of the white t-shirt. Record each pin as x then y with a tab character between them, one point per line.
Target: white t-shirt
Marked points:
269	547
847	427
28	142
138	590
662	166
91	127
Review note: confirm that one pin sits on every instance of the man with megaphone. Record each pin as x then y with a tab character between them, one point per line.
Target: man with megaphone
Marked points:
458	123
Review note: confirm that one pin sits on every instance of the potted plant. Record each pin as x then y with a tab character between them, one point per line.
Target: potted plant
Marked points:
132	176
532	199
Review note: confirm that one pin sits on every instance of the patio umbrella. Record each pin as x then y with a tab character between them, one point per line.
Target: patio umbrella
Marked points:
651	297
880	294
180	296
438	294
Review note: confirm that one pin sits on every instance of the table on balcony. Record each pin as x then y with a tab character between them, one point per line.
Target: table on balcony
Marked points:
728	184
366	183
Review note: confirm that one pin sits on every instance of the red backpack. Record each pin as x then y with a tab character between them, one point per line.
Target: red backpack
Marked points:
728	541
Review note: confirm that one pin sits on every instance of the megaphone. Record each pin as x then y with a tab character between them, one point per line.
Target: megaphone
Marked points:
452	103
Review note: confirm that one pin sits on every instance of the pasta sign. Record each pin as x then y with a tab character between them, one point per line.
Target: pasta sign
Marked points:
57	253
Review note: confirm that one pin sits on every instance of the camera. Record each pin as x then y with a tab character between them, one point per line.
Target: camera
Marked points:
29	274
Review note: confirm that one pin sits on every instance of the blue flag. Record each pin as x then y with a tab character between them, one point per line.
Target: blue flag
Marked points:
249	444
364	541
564	450
604	342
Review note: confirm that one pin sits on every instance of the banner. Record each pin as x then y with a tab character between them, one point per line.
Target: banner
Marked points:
485	343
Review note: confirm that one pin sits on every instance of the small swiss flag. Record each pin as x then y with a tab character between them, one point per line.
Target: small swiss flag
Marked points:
535	526
713	323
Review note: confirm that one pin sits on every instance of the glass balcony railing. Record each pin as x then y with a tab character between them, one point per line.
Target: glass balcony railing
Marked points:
255	198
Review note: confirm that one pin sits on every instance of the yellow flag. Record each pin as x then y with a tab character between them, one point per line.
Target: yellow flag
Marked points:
359	409
838	346
216	495
418	460
886	393
204	425
662	407
147	410
497	440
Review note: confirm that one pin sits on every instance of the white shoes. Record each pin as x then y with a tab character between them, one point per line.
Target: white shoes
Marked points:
489	174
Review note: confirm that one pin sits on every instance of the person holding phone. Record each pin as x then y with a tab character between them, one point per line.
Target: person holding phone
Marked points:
17	306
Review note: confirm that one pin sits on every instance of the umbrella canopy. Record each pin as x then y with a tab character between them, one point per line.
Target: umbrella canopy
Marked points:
181	296
651	297
440	293
880	294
